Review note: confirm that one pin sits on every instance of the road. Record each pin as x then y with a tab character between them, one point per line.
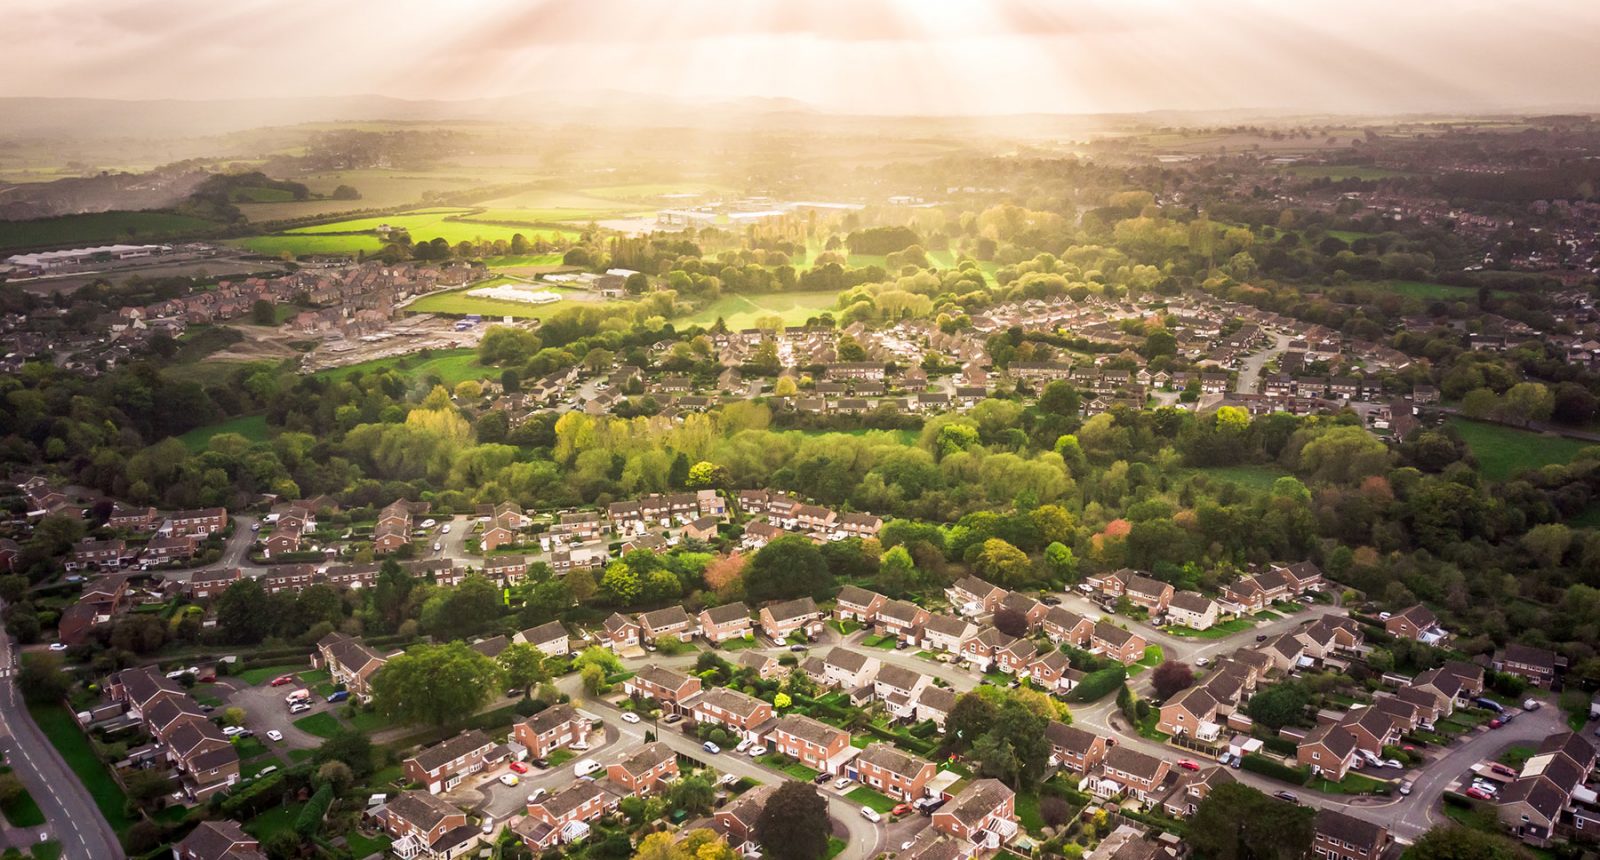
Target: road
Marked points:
70	814
1250	372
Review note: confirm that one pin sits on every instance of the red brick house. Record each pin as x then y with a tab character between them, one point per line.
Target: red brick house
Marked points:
645	770
722	623
892	771
669	687
815	744
780	620
444	765
424	826
983	815
549	730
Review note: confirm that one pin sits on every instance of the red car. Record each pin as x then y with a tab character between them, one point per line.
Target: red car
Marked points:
519	767
1188	765
901	809
1495	724
282	679
1477	793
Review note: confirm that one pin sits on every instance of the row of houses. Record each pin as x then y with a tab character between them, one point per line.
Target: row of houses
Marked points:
182	734
777	621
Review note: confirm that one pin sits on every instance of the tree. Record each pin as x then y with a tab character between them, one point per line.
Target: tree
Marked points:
1526	403
705	474
1171	678
243	612
42	678
1237	821
788	567
595	655
523	665
794	824
1279	705
1061	563
594	679
692	794
781	701
1015	749
969	719
1004	564
435	684
463	611
335	773
621	585
350	747
346	192
263	312
1011	622
1454	842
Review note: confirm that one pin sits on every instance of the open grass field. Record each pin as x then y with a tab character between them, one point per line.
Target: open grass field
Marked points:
252	427
458	303
1250	477
425	225
323	724
380	189
100	228
61	728
1337	172
299	245
261	195
1349	235
452	366
278	819
1505	451
741	311
524	261
1428	292
266	673
575	216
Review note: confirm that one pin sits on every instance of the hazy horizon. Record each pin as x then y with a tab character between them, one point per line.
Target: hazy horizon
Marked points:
961	57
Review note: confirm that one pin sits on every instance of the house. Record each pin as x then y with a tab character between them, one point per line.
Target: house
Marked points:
1372	728
898	687
1416	623
444	765
901	619
765	666
1125	770
160	550
946	632
739	713
669	687
424	826
131	518
1531	808
671	621
1330	748
1192	787
737	819
102	554
858	524
1339	836
848	669
1192	609
506	569
1064	625
722	623
621	632
1013	659
550	638
983	815
645	770
1152	595
972	596
1052	671
815	744
892	771
206	584
1031	611
349	662
1115	643
781	620
1074	749
1191	712
855	603
1538	665
553	728
218	840
563	816
702	529
197	523
983	649
492	647
934	703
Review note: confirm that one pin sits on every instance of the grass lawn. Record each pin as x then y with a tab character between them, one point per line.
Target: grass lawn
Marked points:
560	757
778	761
1354	783
62	729
836	847
1028	813
323	724
1516	756
739	644
249	748
877	641
523	261
251	768
1153	655
863	796
95	228
1220	630
366	846
845	627
459	303
251	427
451	366
298	756
267	673
742	311
425	225
301	245
369	721
1249	477
1337	172
1267	615
206	694
1505	451
23	811
278	819
46	851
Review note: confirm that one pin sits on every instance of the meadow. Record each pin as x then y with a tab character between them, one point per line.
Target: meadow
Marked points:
1505	451
451	366
424	225
297	245
251	427
1426	291
101	228
742	311
458	303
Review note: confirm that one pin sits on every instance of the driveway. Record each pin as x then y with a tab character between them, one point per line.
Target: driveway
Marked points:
264	709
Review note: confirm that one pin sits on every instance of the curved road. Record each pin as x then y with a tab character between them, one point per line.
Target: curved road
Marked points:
70	814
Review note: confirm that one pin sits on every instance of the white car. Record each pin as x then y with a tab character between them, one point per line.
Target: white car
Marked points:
444	529
533	796
274	735
230	731
743	745
871	814
843	783
580	745
428	524
758	752
630	717
58	646
509	779
437	546
728	779
271	768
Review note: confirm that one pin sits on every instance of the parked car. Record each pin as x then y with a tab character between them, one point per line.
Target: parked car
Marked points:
1050	600
299	707
1261	637
274	735
731	778
843	783
670	719
271	768
1224	758
928	805
338	695
757	751
1288	796
1406	786
901	809
1497	723
818	779
743	745
585	767
282	679
1503	769
797	648
231	731
518	767
445	529
58	646
630	717
711	747
1188	765
533	796
509	779
1477	793
871	814
1202	662
1530	704
1491	704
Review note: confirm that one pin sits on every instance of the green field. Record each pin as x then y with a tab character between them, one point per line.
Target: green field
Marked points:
425	225
740	311
452	366
96	228
1426	291
1337	172
266	673
252	427
297	245
523	261
261	195
1348	236
458	303
61	728
531	216
323	725
1249	477
647	191
1505	451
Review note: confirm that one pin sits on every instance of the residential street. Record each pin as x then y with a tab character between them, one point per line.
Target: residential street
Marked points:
70	814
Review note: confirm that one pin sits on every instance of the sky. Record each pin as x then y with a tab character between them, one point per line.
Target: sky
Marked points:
958	57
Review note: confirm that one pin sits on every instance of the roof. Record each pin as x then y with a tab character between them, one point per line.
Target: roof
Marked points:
421	809
1337	739
215	840
746	808
547	632
791	609
1191	601
974	585
855	595
1069	738
1128	760
1528	655
808	729
892	759
1418	615
448	750
662	676
844	658
732	701
667	617
1539	793
947	625
1348	829
728	613
350	653
1571	743
648	757
567	799
938	698
492	647
617	621
980	798
900	610
898	677
551	717
1113	634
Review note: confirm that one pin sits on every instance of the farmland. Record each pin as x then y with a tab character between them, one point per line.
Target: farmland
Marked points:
101	228
300	244
740	311
452	225
1505	451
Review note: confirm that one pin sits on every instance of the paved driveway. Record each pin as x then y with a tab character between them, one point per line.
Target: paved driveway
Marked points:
264	709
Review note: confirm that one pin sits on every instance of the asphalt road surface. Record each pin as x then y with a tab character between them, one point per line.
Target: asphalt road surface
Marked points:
71	817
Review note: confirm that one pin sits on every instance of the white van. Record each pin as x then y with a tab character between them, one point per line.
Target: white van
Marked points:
297	696
585	767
